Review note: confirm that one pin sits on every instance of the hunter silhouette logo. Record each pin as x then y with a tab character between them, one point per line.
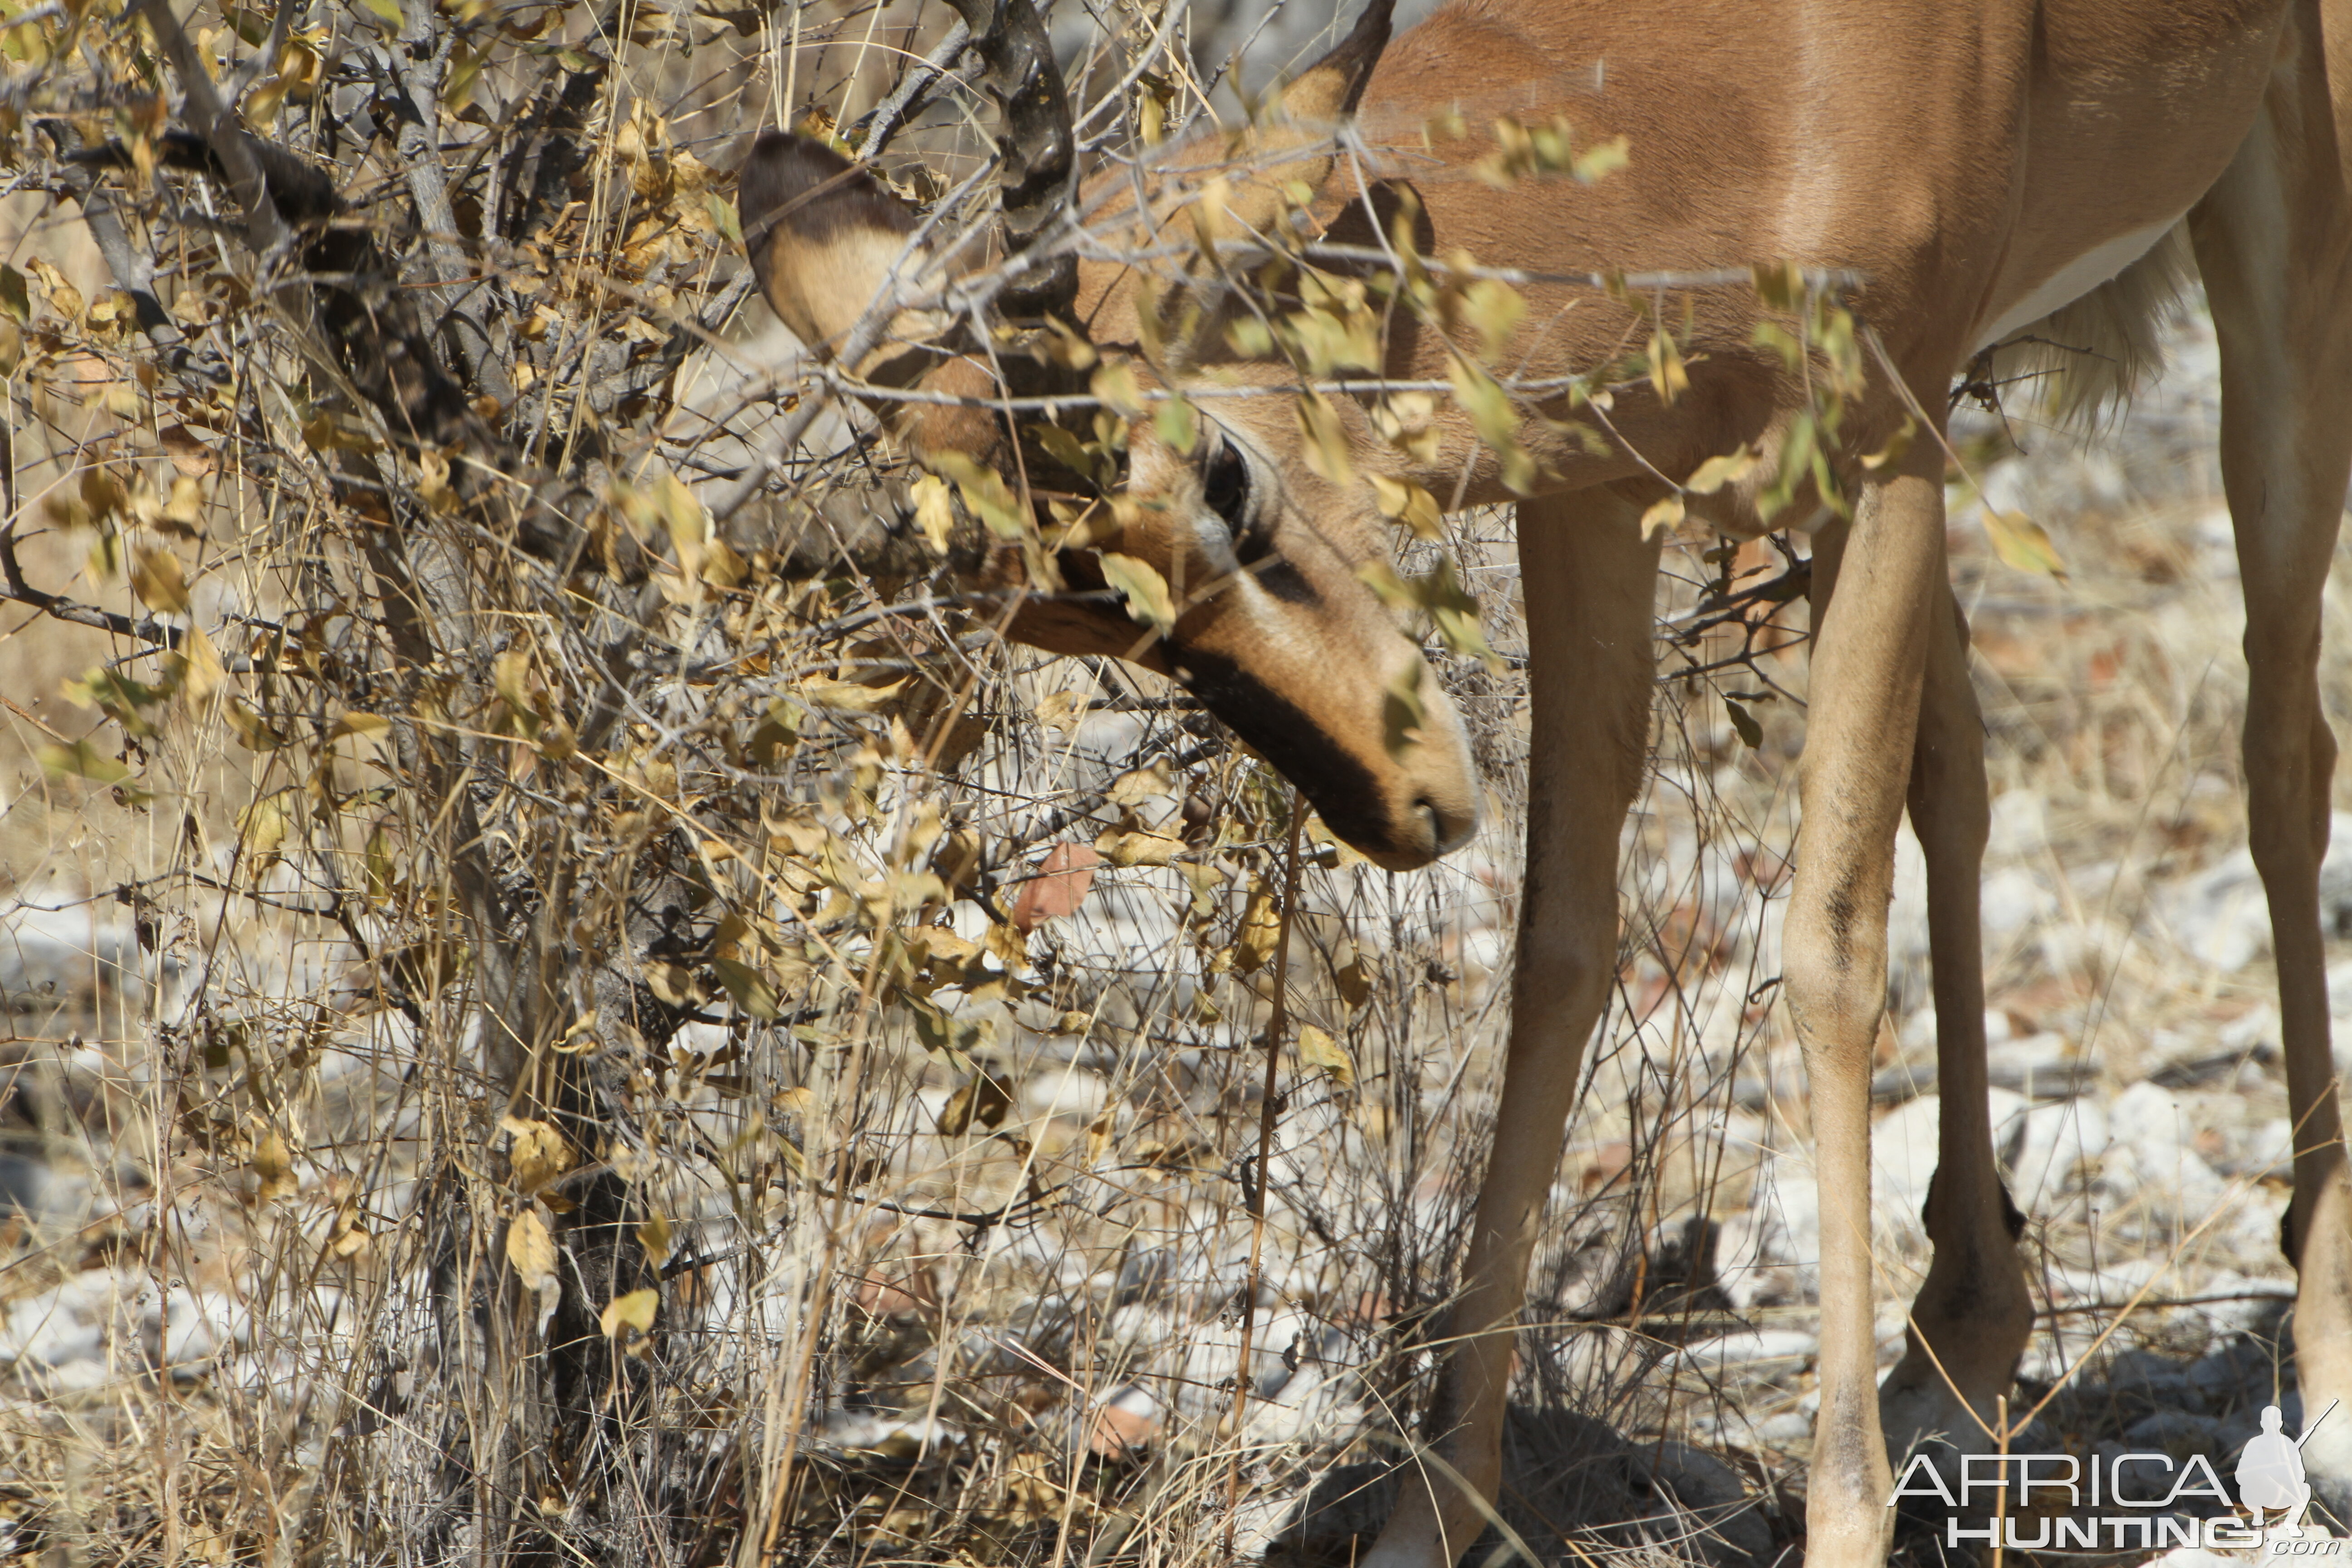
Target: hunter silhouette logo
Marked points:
2270	1474
2114	1502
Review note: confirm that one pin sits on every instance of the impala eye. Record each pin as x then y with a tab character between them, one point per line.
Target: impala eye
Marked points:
1225	485
1225	488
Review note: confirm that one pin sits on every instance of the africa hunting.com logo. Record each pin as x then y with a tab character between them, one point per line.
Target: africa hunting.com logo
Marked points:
2270	1476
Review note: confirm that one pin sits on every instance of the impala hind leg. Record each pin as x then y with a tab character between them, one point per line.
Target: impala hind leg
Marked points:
2274	242
1973	1315
1590	584
1884	588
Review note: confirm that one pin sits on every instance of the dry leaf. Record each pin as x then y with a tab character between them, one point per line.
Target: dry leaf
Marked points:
631	1317
1318	1049
2021	543
156	578
1139	849
539	1154
1061	884
531	1250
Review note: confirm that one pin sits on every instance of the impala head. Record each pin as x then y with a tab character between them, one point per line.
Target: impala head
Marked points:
1275	631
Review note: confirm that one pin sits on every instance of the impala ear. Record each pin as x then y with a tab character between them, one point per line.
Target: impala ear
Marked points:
1330	87
1326	91
822	235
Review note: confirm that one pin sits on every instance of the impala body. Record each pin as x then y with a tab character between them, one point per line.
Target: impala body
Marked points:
1976	166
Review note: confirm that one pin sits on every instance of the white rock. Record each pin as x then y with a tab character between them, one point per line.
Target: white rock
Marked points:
2159	1166
1068	1091
2218	916
2054	1147
2021	825
1902	1161
2015	899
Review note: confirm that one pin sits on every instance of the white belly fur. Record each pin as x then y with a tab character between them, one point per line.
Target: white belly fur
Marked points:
2076	279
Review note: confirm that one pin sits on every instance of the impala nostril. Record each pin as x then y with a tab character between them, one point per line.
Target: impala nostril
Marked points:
1448	830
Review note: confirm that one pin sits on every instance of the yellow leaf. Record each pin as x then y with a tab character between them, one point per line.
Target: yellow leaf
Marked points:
1139	785
849	696
721	567
1409	504
1600	159
1143	588
631	1315
1898	446
1318	1049
253	732
1493	310
531	1250
156	578
983	1097
2019	541
357	723
934	512
1662	517
1717	472
539	1153
672	981
1139	849
1327	446
200	669
1115	384
1668	377
1261	932
273	1165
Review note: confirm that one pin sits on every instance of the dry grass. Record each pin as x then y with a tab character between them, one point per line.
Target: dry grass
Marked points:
989	1304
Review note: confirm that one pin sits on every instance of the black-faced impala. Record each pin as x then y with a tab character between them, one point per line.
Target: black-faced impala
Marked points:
1974	166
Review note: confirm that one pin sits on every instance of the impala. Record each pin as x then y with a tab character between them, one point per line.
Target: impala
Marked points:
1976	165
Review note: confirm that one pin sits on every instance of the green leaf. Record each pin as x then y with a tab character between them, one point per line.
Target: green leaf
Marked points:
1327	445
723	214
1143	588
1497	421
82	760
1177	427
13	297
749	988
385	11
1116	384
118	696
984	493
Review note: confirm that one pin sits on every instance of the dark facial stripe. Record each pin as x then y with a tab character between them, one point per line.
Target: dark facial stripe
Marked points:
1285	582
1341	786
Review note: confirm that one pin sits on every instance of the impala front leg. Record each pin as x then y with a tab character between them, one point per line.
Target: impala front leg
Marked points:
1591	582
1974	1315
1870	646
